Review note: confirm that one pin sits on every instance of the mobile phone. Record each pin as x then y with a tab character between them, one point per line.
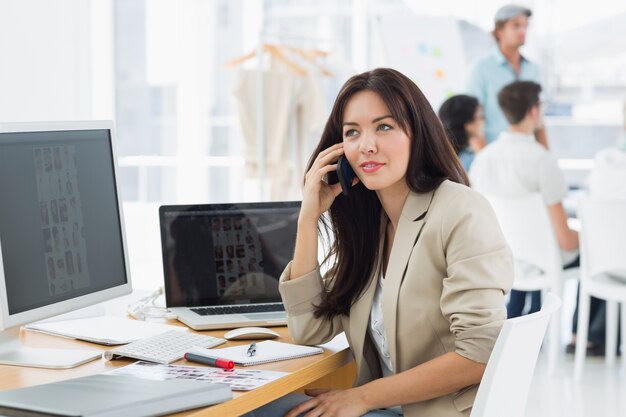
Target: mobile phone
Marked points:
345	173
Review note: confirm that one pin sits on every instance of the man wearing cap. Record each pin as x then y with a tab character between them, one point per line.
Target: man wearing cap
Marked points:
503	66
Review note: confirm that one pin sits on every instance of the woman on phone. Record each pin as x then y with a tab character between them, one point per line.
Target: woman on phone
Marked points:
418	268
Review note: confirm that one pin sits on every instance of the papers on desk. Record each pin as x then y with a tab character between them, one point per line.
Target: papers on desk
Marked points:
106	330
239	380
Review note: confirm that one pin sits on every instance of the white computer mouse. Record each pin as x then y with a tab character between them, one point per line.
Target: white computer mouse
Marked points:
244	333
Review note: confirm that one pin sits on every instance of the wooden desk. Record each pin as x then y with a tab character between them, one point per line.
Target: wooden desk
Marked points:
304	371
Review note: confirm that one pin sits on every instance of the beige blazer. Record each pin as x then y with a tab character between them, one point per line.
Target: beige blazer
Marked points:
445	286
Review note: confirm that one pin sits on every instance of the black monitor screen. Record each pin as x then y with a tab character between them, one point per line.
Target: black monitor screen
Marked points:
226	253
60	228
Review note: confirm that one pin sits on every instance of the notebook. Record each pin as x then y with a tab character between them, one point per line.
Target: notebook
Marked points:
222	262
266	351
111	396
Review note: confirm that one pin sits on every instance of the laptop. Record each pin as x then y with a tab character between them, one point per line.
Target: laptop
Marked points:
222	262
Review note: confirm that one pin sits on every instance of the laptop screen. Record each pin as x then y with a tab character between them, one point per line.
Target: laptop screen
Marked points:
221	254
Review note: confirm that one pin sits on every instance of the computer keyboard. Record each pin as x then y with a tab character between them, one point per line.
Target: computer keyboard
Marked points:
247	308
164	348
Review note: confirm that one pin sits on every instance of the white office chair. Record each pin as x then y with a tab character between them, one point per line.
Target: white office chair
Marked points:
504	388
528	230
602	251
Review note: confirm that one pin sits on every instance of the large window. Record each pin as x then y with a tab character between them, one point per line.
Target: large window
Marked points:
176	124
157	67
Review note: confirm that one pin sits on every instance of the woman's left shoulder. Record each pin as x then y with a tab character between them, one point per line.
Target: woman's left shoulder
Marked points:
453	195
457	207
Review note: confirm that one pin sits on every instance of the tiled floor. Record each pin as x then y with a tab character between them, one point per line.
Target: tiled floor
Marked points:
601	392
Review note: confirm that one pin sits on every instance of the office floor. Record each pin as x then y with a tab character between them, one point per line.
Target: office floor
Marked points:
601	392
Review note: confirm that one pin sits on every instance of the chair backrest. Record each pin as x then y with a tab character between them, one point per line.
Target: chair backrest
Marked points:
506	382
602	235
528	230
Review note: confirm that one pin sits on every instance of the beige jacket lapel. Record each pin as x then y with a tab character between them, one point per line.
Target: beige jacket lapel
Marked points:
409	227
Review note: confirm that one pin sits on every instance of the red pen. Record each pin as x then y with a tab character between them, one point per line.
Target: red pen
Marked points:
207	360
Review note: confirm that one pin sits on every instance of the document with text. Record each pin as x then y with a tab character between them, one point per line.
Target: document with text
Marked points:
238	379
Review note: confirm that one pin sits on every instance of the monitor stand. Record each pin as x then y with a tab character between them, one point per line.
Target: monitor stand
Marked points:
13	353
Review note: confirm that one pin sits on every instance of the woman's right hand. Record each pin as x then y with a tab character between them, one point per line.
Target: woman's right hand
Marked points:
317	195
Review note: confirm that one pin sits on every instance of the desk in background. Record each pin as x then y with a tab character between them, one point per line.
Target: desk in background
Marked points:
332	369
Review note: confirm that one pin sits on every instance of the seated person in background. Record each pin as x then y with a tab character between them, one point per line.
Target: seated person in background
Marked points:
462	117
607	179
516	164
608	175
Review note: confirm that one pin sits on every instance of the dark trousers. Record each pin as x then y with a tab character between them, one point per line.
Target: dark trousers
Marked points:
597	321
517	300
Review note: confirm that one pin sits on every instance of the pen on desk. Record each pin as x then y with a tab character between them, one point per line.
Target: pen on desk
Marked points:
207	360
252	349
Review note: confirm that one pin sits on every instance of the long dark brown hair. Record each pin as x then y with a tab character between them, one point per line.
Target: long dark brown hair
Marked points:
355	219
455	113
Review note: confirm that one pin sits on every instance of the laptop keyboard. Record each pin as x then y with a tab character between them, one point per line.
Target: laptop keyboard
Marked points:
248	308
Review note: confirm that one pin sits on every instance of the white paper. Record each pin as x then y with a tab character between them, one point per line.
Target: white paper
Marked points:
107	330
266	351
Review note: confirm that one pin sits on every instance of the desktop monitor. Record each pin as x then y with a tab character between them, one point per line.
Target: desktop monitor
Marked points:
62	244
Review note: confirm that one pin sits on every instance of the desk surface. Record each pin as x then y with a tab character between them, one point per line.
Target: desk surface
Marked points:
303	371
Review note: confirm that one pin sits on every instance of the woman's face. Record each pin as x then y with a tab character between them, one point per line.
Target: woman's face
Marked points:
374	144
476	128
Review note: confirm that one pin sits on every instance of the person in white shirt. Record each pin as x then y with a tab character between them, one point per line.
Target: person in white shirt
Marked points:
516	164
607	178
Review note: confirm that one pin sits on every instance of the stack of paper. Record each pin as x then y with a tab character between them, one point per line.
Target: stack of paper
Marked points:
106	330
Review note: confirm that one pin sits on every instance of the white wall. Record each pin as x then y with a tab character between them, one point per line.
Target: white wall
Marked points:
50	52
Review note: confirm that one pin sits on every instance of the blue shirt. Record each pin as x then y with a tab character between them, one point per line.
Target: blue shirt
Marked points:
467	157
486	80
